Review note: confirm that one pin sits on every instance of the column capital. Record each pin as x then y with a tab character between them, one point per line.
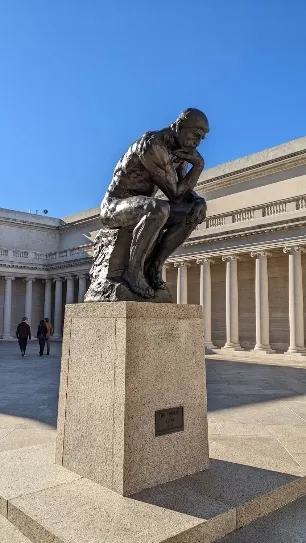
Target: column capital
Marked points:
295	249
182	264
205	260
59	279
9	278
227	258
26	279
48	280
259	254
70	276
81	276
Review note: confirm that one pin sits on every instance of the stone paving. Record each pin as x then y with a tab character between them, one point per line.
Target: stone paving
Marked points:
28	395
257	415
257	411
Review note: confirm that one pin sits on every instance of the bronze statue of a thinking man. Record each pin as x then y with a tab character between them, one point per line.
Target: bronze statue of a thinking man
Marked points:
156	162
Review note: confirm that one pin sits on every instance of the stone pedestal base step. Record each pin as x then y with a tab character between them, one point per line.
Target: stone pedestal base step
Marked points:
10	534
282	526
48	503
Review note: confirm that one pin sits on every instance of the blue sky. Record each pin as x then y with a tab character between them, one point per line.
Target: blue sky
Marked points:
82	79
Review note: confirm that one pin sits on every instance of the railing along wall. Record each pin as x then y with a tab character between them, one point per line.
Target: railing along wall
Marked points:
256	212
69	254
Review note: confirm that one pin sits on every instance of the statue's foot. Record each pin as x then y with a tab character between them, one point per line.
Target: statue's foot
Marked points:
137	283
155	276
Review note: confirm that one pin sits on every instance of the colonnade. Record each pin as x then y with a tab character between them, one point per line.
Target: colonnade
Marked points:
296	312
58	301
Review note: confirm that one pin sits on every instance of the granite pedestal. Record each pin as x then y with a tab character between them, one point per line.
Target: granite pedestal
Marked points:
123	365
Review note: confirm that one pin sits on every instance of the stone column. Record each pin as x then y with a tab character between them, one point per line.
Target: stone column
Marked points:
205	299
164	276
181	282
47	304
82	288
58	308
296	311
232	326
70	290
262	302
28	298
7	313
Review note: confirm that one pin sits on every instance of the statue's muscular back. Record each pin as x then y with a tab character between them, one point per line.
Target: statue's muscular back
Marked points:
132	176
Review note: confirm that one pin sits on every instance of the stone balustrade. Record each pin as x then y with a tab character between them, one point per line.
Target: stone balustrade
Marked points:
274	209
83	251
258	212
301	203
20	254
244	215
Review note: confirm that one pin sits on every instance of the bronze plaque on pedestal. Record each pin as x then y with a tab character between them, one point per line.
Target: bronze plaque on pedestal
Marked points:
168	421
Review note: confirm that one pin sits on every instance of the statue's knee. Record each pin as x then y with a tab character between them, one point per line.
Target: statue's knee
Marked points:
165	209
198	212
204	209
160	208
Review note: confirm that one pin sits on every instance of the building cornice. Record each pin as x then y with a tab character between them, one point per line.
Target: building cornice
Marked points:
70	264
5	221
80	222
244	250
23	266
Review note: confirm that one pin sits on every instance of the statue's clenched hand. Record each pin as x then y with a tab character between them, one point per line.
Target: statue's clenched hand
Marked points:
190	155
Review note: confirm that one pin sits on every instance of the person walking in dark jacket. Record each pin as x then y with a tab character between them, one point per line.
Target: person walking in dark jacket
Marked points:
23	332
41	336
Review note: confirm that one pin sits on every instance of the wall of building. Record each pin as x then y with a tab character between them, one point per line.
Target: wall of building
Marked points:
28	238
28	232
257	191
81	234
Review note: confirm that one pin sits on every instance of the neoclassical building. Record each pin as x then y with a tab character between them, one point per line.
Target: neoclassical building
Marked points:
246	264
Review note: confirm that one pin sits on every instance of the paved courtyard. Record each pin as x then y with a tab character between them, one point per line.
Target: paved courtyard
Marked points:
257	407
257	415
28	395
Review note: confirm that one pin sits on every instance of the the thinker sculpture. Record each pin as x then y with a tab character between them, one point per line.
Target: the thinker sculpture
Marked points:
139	230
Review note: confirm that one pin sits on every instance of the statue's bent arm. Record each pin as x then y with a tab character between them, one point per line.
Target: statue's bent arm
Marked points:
159	164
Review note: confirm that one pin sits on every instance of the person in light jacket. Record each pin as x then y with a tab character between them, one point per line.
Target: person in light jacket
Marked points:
49	334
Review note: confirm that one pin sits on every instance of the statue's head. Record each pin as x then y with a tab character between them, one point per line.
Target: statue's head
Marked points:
191	127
